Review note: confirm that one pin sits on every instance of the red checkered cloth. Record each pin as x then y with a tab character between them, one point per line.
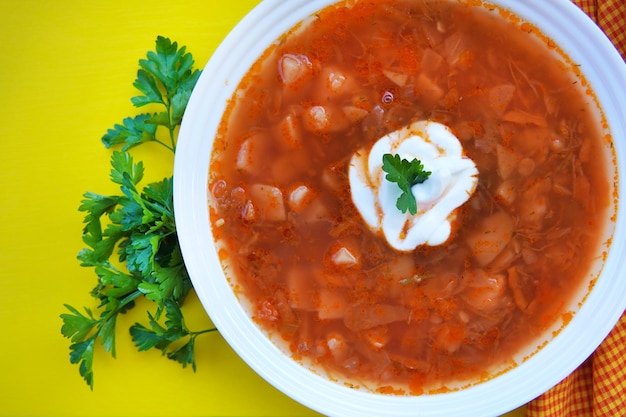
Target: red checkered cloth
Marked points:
610	15
598	387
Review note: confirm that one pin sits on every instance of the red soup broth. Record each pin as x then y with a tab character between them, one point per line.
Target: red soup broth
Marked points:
333	292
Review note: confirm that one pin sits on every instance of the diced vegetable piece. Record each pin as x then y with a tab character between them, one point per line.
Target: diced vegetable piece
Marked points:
529	256
454	47
244	156
300	197
332	82
294	69
354	114
332	304
268	202
484	291
300	292
582	190
335	279
365	317
506	192
399	272
288	166
324	119
317	119
504	259
398	78
401	267
491	236
431	62
550	101
560	256
315	212
248	213
508	161
332	177
266	311
533	207
449	337
285	312
531	141
337	346
522	117
441	287
377	337
343	257
526	166
289	131
533	211
515	283
500	96
335	81
433	32
249	157
428	89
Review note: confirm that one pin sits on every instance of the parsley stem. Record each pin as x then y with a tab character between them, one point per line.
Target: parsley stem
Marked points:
164	144
212	329
171	127
123	303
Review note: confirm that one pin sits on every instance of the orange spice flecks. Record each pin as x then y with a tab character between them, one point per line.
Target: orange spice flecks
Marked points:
416	383
527	27
567	317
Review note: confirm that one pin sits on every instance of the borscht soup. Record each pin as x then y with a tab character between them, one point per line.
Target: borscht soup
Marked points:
405	195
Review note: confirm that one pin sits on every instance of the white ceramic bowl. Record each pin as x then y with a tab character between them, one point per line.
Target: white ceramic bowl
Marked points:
603	68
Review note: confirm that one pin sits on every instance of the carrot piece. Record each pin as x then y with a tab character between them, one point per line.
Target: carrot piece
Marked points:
522	117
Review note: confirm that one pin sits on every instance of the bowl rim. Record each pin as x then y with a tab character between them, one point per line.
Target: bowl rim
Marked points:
604	68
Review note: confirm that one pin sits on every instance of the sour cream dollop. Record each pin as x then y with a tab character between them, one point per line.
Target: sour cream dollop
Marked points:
453	180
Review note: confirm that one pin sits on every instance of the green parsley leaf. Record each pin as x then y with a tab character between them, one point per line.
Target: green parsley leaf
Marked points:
406	174
132	132
174	339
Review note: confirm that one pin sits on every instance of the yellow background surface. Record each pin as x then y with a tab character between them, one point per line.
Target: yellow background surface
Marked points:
66	74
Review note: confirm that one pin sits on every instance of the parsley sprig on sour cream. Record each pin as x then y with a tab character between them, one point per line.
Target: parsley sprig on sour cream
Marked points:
406	174
412	203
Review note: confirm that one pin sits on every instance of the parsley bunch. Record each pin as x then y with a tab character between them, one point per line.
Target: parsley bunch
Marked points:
131	238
